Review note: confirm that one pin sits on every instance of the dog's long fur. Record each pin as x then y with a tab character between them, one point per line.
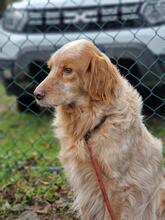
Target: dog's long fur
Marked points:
130	158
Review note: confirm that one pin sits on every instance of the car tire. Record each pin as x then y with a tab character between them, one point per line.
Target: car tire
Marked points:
26	103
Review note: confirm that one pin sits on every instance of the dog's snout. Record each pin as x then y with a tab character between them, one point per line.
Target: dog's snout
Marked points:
39	95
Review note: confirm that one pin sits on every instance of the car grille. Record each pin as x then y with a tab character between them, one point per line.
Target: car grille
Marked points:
84	19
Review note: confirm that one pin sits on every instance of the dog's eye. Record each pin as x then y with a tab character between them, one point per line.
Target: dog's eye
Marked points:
67	71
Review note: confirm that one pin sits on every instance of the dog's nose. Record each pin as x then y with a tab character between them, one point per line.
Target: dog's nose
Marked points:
39	95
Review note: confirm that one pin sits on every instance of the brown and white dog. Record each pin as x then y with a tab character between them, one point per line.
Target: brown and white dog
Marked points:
85	86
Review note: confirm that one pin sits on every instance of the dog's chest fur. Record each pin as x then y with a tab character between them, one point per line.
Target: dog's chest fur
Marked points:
74	157
122	161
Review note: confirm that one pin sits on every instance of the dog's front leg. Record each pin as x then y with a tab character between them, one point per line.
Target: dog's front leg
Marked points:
161	208
83	214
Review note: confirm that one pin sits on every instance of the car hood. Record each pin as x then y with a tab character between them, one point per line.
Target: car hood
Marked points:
63	3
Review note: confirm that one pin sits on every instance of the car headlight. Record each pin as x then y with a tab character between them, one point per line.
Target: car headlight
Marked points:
154	11
14	20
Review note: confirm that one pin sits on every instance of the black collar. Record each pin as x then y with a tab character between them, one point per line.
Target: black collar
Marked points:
88	135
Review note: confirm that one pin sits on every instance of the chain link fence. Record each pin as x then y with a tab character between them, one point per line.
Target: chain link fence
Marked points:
131	33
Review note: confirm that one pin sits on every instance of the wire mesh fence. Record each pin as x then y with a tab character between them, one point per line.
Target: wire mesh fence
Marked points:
131	33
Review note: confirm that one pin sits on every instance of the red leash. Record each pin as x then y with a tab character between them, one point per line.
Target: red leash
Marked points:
99	179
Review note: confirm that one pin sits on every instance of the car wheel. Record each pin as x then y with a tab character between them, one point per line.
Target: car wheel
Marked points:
26	103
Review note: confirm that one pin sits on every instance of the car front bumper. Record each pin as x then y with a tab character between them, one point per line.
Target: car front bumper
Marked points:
11	44
144	46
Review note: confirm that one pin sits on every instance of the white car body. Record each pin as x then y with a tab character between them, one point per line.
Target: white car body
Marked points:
12	43
143	44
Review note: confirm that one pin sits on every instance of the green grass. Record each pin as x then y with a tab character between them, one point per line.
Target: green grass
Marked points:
30	175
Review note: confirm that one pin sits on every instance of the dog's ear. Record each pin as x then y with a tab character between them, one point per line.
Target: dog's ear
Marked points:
102	78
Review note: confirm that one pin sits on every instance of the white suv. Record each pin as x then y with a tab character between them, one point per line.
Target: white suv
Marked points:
130	32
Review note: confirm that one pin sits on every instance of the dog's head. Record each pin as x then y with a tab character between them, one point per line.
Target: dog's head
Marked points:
78	72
